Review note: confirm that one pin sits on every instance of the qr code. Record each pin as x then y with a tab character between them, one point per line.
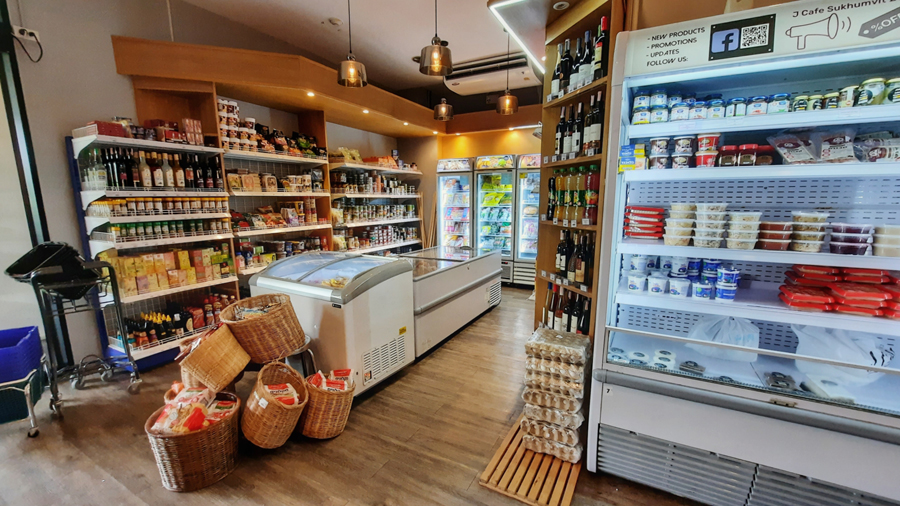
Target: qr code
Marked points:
754	36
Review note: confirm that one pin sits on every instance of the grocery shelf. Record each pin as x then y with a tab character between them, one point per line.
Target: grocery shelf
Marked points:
163	217
842	116
99	245
561	224
760	302
655	247
79	143
379	222
280	230
581	160
580	289
376	195
577	94
273	157
386	246
366	166
251	270
88	196
153	349
185	288
238	193
823	170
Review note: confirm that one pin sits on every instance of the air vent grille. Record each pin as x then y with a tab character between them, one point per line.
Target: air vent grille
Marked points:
773	487
381	360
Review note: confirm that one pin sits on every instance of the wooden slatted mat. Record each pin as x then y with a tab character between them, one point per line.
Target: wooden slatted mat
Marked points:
533	478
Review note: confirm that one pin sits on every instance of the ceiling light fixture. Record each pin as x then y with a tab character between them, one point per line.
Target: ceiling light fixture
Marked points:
365	111
310	94
434	132
458	133
443	111
494	10
511	129
507	104
352	73
525	126
435	59
405	123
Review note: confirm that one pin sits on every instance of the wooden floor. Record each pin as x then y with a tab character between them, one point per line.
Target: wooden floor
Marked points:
421	438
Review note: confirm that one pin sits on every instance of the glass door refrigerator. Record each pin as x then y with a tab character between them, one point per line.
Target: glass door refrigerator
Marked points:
528	188
455	202
495	209
746	352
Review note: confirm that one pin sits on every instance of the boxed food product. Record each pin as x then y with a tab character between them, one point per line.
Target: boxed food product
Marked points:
851	228
744	225
859	291
774	244
548	400
805	306
816	269
807	294
793	278
793	148
554	416
734	243
851	238
284	393
776	226
680	206
702	242
707	207
858	311
563	346
871	304
843	248
834	145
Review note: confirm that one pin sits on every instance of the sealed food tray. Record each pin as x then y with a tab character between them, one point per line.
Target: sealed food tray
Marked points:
858	311
548	383
805	306
558	369
563	346
816	269
548	400
554	416
876	280
807	294
870	304
859	291
796	279
644	210
552	432
563	452
865	272
818	276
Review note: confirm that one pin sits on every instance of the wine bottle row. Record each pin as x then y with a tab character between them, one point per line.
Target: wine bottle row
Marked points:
573	195
566	311
579	132
575	257
121	169
588	63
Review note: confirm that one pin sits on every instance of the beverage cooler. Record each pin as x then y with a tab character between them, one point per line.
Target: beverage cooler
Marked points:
528	193
495	208
745	346
454	204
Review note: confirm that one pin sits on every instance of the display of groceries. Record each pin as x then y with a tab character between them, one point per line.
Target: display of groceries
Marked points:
682	277
338	380
862	292
191	410
660	105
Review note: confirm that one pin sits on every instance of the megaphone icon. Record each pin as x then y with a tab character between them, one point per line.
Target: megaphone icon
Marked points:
827	27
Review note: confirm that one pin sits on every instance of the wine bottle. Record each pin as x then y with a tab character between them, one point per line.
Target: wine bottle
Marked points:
577	313
567	133
597	124
575	75
599	65
558	322
587	60
554	301
588	127
573	266
566	64
189	182
561	130
547	300
199	173
567	313
584	324
145	171
560	251
551	195
557	73
578	129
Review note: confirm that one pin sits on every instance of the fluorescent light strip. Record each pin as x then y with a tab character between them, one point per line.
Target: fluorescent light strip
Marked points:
503	22
525	126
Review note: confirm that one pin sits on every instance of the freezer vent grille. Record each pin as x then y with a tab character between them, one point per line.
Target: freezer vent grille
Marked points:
523	274
506	271
684	471
494	294
381	360
773	487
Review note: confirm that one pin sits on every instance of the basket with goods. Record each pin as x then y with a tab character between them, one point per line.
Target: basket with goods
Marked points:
274	406
215	359
329	404
194	438
265	326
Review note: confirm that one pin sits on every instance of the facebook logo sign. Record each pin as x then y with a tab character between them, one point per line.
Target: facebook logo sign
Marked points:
725	41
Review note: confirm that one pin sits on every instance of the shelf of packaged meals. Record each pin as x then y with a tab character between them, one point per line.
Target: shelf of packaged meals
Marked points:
377	222
139	352
657	247
79	143
102	241
367	166
237	192
818	171
574	95
373	249
178	289
88	196
280	230
273	157
843	116
376	195
758	302
556	279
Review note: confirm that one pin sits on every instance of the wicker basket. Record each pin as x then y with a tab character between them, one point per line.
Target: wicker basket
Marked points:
187	378
268	337
327	413
267	422
192	461
217	361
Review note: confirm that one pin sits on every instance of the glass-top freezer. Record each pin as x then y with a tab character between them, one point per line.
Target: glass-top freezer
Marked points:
446	253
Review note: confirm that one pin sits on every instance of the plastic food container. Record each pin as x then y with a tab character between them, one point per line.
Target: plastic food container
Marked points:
852	228
809	217
706	158
676	240
682	206
679	287
806	294
659	161
773	244
805	306
847	248
694	264
771	235
658	285
709	233
743	234
736	107
733	243
677	231
885	250
680	112
659	114
806	246
708	277
711	224
659	146
708	207
636	282
681	161
702	290
782	226
808	227
778	103
889	240
884	229
711	216
744	226
679	266
726	275
808	236
679	223
857	238
684	145
699	110
747	216
711	265
638	263
857	291
641	116
725	292
758	105
682	215
707	243
708	142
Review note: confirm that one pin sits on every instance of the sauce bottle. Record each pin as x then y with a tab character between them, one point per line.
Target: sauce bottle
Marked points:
592	193
168	172
156	167
144	168
570	194
179	172
580	190
560	195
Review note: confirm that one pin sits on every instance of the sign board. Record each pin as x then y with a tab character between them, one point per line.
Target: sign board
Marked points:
781	30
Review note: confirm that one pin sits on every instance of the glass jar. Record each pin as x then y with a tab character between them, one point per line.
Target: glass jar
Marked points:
641	99
690	98
848	96
641	116
659	114
871	92
680	112
765	155
892	91
673	99
815	103
831	100
698	110
728	156
758	105
747	155
716	109
736	106
659	98
778	103
800	103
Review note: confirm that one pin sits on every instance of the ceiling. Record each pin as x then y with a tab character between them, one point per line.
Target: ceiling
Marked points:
386	33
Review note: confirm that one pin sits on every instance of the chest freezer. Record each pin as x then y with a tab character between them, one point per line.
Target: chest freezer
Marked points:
357	309
451	287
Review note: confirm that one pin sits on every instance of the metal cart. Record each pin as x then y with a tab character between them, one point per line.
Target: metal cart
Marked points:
13	392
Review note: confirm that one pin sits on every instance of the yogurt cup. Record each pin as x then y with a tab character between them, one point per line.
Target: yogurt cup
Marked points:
679	266
652	262
708	142
706	158
694	264
703	290
659	145
695	278
708	277
726	292
638	263
679	287
711	265
657	285
636	282
681	161
726	275
684	145
665	263
659	161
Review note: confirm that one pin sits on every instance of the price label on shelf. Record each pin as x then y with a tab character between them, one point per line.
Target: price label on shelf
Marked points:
557	281
566	281
590	152
583	288
552	277
543	273
556	221
543	217
565	223
585	221
571	156
554	158
546	159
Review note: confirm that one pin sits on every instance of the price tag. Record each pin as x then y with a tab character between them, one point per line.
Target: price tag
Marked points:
546	159
589	152
556	221
565	223
549	97
543	273
543	217
566	282
552	277
554	158
585	221
584	288
557	281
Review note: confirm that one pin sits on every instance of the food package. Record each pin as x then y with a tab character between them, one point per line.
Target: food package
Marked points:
548	383
844	346
794	148
284	393
554	416
725	330
563	452
859	291
218	410
548	400
193	395
563	346
552	432
877	150
181	418
345	375
559	369
834	145
333	385
317	380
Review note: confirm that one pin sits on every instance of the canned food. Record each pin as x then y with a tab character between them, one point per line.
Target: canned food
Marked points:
680	112
736	107
831	100
848	96
871	92
892	91
800	103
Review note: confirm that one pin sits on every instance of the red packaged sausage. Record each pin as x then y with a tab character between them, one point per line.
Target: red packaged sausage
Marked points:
806	294
860	311
859	278
871	304
796	279
805	306
865	272
644	235
815	269
894	290
859	291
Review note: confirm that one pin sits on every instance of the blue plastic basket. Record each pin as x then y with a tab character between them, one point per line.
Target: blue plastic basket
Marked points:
20	353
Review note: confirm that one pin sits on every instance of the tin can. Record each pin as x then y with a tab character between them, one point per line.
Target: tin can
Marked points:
871	92
800	103
815	103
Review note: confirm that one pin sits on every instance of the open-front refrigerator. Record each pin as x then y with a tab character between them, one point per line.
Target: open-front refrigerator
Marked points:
750	321
528	197
495	208
455	200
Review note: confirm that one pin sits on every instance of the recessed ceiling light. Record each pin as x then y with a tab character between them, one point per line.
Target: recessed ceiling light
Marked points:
310	94
561	6
457	134
543	58
405	123
365	111
511	129
434	132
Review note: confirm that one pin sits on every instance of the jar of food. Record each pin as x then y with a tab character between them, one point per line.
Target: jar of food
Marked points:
747	155
800	103
641	116
659	114
736	106
831	100
815	103
871	92
699	110
778	103
250	123
716	109
847	96
690	98
758	105
728	156
659	98
673	98
680	112
892	91
641	99
765	155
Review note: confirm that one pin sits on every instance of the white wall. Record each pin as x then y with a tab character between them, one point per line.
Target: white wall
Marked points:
368	143
424	152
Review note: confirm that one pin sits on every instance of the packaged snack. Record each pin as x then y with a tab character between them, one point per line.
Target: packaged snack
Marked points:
807	294
548	383
345	375
894	290
796	279
547	431
563	346
877	150
870	304
808	273
558	369
805	306
219	410
548	400
792	148
877	280
284	393
317	380
859	311
181	418
335	385
558	450
834	146
177	387
554	416
859	291
815	269
193	395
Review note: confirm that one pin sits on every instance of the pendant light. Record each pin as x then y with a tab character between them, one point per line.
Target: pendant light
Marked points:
443	111
352	73
435	59
508	103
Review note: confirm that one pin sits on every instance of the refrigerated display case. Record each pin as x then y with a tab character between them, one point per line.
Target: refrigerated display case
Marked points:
454	202
357	310
724	393
495	209
451	287
528	191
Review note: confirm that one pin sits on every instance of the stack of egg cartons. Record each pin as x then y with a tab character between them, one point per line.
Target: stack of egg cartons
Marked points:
743	230
554	393
710	225
680	224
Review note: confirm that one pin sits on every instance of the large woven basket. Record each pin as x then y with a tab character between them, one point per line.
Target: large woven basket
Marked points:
187	378
327	413
192	461
267	422
267	337
217	361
